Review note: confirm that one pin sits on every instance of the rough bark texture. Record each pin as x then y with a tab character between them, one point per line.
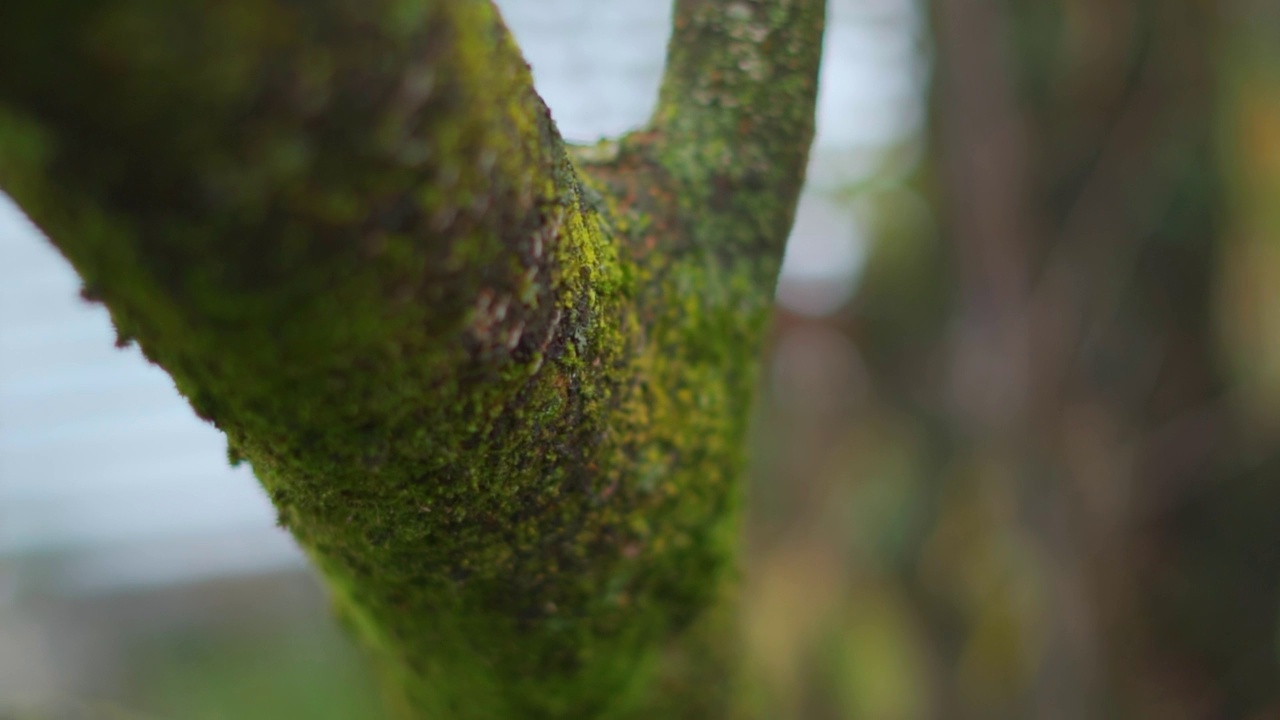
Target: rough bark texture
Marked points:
498	396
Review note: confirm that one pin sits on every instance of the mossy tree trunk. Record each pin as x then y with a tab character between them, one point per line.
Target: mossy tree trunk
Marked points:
496	388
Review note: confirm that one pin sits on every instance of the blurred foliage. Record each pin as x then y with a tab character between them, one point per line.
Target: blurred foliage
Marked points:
263	676
1030	470
249	648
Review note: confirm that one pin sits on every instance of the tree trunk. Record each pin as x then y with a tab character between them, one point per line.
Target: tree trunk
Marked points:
496	389
1090	350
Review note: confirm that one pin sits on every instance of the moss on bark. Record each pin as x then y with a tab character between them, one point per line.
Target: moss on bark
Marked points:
498	396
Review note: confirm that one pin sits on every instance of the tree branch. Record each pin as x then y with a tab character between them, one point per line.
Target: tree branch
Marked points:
350	232
735	118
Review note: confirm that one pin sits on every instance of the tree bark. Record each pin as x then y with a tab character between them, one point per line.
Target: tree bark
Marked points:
496	392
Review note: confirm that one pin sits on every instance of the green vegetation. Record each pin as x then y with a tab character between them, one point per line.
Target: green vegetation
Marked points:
498	396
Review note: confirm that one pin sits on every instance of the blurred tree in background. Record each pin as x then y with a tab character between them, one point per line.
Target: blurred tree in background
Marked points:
1059	466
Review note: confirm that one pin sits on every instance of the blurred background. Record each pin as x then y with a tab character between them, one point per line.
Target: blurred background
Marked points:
1017	450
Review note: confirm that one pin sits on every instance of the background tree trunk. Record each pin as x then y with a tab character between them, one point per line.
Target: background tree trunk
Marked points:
1082	351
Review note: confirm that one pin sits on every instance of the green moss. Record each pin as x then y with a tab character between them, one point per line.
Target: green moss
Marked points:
735	118
499	400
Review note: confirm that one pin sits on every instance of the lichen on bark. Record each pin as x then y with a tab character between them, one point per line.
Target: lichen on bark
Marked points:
496	393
